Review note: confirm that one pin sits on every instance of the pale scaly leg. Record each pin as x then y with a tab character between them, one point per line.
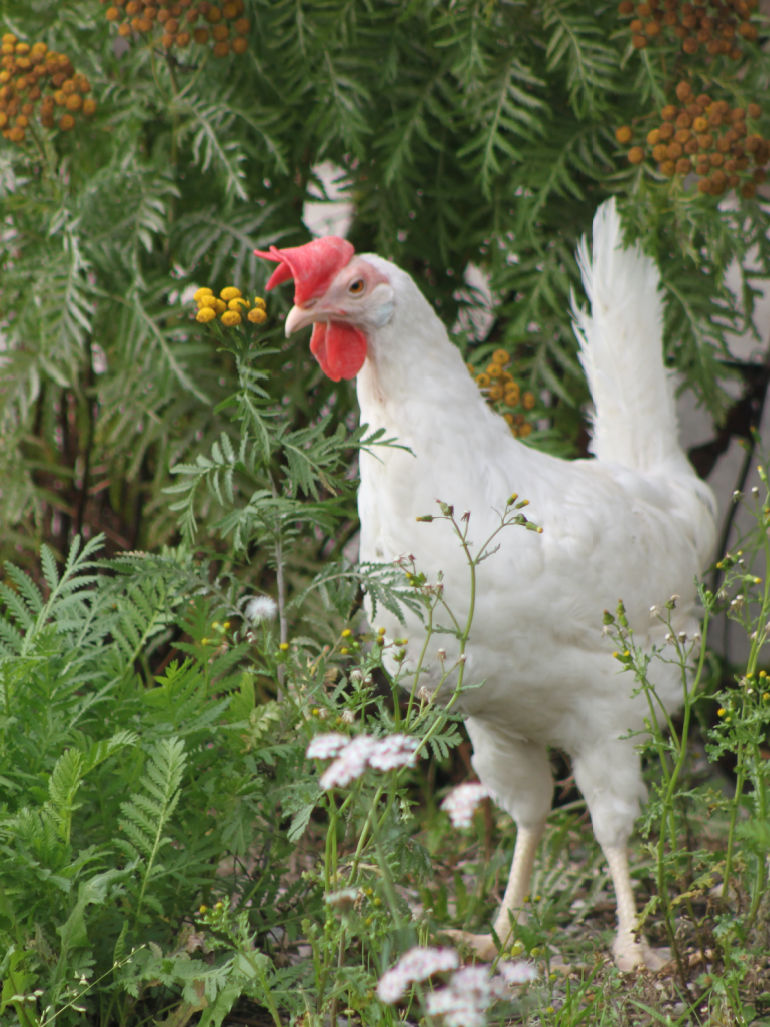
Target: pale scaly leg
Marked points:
609	776
511	908
629	951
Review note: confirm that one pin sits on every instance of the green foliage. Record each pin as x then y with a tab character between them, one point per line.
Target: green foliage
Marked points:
451	146
166	851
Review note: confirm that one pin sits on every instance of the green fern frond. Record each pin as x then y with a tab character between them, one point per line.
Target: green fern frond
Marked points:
507	111
181	698
578	45
146	816
214	143
63	786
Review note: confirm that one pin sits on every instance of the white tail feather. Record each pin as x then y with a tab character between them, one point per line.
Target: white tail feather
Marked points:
621	350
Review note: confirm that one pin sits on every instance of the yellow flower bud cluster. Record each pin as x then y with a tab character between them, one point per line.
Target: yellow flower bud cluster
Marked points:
504	394
230	306
34	78
177	23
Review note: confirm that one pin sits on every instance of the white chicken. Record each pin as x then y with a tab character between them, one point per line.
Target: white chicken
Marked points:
633	523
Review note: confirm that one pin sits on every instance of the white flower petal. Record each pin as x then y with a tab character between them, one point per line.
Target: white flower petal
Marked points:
394	751
418	964
462	801
324	747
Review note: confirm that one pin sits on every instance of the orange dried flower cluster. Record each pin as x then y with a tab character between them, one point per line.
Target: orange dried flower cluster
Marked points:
34	78
503	393
181	22
718	26
708	138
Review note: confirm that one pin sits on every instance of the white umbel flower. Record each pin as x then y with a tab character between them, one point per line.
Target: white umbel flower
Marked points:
349	764
394	751
353	755
326	747
472	990
418	964
462	801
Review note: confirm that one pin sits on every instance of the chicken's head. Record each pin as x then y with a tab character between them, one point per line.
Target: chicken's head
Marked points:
343	295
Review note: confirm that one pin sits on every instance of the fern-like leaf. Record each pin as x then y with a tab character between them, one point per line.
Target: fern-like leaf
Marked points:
145	817
63	786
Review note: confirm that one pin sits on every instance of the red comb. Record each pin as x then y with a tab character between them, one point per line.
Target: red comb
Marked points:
312	266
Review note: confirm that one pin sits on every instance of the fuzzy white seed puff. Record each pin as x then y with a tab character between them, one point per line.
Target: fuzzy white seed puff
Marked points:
260	609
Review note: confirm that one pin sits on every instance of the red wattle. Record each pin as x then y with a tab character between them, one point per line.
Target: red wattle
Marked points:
339	348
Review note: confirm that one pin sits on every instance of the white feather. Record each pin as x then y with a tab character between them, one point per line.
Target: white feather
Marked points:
634	420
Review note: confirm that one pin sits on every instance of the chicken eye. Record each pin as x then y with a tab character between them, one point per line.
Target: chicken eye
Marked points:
357	287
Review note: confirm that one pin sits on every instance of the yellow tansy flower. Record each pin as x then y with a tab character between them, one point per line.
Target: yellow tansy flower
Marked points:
205	314
231	318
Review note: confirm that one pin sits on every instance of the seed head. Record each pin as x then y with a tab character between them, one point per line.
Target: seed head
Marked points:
222	27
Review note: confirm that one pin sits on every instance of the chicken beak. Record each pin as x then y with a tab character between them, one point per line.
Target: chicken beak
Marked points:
298	317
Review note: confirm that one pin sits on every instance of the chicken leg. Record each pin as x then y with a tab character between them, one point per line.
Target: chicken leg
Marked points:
485	946
629	952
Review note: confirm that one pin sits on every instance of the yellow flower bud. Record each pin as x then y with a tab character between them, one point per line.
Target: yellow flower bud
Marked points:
229	293
219	305
257	315
205	314
259	302
231	318
199	293
237	303
207	300
512	394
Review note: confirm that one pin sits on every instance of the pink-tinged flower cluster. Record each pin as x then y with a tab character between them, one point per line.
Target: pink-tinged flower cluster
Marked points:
472	990
462	801
418	964
351	756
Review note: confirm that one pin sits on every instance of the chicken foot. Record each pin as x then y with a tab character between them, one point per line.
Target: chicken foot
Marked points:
484	946
629	952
